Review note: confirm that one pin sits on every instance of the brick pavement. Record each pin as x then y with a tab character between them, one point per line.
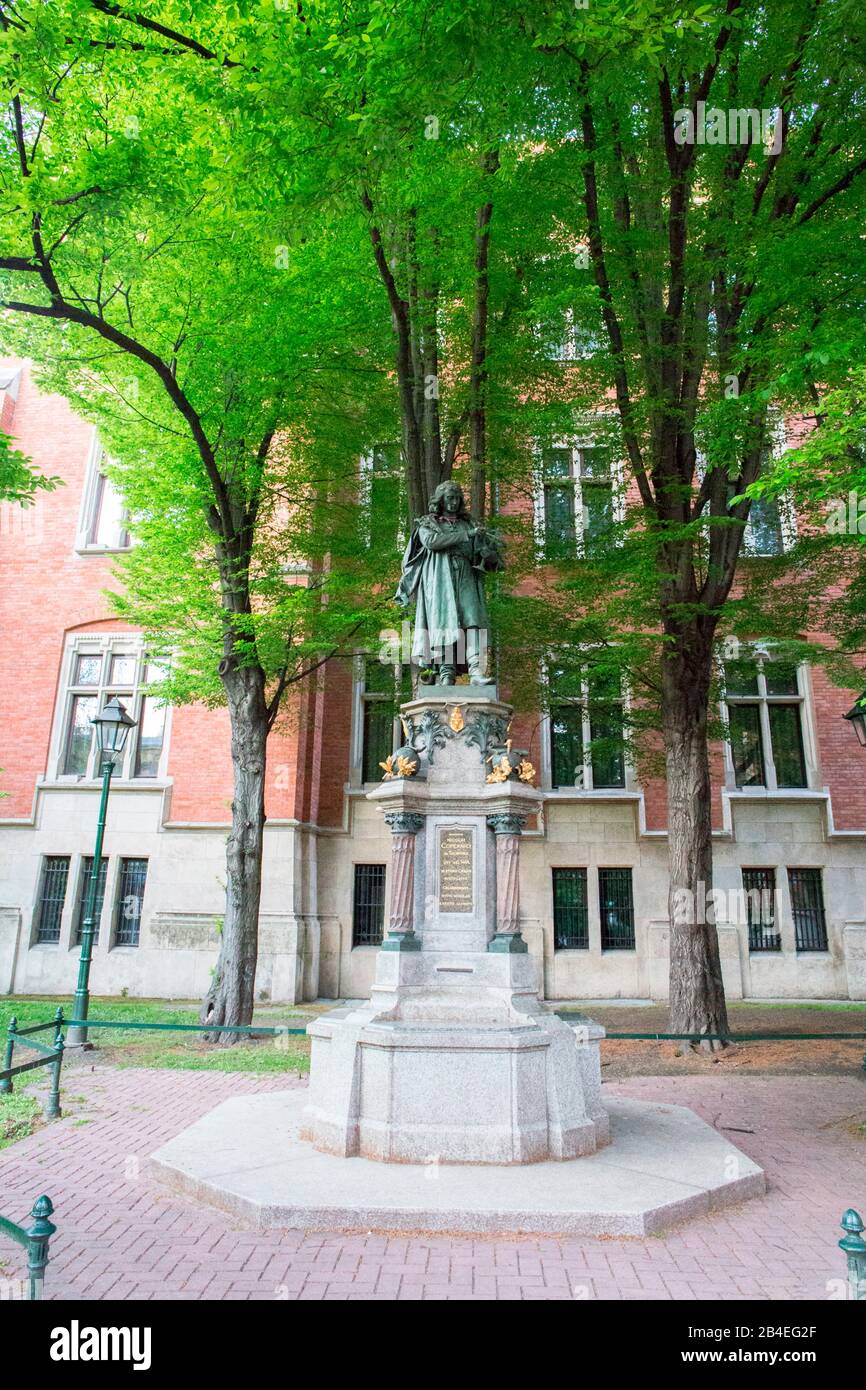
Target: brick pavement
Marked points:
121	1235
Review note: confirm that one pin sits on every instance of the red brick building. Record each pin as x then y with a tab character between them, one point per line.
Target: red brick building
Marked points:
789	796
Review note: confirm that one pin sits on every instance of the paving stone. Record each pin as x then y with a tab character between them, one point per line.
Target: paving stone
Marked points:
123	1237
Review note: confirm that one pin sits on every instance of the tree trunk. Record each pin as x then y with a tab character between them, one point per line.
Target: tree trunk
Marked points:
697	996
231	995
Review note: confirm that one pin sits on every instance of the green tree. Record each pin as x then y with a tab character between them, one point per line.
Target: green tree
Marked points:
163	305
18	481
720	254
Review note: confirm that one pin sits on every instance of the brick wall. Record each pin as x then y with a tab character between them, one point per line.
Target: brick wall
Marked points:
48	590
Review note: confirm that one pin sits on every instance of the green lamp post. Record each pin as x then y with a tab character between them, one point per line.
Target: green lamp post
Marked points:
112	730
857	716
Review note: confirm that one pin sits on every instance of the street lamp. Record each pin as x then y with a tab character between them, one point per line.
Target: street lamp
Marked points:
112	730
857	715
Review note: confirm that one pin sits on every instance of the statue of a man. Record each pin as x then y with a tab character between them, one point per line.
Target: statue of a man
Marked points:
444	567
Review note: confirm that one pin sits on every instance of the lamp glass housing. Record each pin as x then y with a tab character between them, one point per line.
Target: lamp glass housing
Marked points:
112	728
857	716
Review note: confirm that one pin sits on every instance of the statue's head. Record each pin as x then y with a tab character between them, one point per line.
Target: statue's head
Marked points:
448	500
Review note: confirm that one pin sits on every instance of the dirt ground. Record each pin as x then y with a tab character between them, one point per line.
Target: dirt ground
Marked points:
621	1059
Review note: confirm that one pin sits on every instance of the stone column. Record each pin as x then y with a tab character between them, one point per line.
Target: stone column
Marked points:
507	828
401	923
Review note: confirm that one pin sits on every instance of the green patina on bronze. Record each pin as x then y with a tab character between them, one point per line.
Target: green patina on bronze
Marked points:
444	566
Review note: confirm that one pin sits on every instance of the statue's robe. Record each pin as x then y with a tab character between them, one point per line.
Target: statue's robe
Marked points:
443	572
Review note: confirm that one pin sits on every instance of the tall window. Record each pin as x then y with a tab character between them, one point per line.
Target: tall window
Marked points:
384	493
384	688
560	532
104	517
131	882
765	721
596	486
570	336
759	886
807	907
771	525
617	909
570	918
764	534
368	905
578	503
84	889
99	671
109	516
52	895
587	740
149	737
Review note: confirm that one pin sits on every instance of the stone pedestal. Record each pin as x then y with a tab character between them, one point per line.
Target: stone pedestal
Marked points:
453	1058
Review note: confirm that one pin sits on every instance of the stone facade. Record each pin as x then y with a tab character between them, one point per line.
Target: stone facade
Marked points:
53	575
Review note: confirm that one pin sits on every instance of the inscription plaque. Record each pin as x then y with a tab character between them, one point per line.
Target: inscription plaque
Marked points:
455	871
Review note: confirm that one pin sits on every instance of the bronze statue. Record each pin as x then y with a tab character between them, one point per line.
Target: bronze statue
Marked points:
444	566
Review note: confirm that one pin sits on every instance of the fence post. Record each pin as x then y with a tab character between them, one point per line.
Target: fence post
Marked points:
52	1109
6	1084
855	1248
38	1237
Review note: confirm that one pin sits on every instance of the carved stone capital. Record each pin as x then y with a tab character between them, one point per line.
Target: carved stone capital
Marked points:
507	823
404	822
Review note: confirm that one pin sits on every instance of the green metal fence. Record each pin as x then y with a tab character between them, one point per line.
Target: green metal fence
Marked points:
253	1029
48	1057
855	1248
35	1240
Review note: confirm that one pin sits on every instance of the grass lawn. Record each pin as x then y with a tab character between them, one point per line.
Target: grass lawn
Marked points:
173	1051
20	1114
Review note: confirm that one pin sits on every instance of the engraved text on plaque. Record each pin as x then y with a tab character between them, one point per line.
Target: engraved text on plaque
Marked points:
455	871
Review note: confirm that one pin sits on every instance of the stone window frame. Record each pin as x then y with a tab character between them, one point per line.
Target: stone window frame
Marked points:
357	865
117	901
762	654
105	645
39	900
95	483
576	443
586	788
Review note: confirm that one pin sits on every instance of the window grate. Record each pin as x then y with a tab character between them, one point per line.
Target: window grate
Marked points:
617	909
83	889
368	915
52	895
759	886
130	896
807	906
570	917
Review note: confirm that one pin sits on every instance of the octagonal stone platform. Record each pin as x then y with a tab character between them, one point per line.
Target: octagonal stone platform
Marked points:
663	1166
